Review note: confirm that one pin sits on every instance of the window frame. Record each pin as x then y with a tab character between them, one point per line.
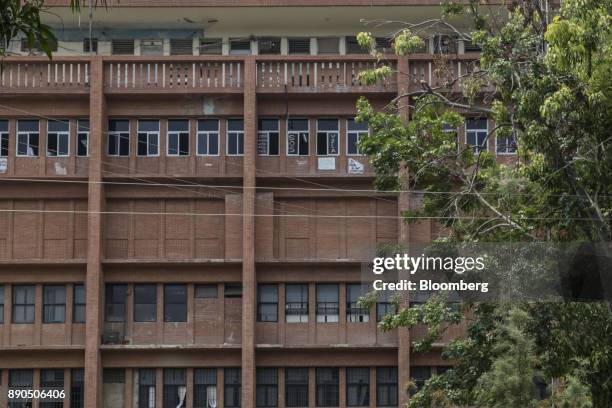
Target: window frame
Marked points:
209	387
476	149
137	318
296	387
118	135
303	317
53	305
239	134
76	304
359	134
264	385
115	302
207	134
167	400
145	388
27	134
4	138
79	133
58	134
357	386
505	152
391	386
327	134
261	303
232	51
178	134
148	134
26	305
299	143
326	387
56	384
327	317
354	313
235	388
183	304
384	305
21	385
266	134
77	388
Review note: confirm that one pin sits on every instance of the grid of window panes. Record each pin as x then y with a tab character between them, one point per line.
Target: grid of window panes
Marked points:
178	137
384	304
328	383
4	138
355	313
54	303
327	303
52	380
268	137
148	137
267	303
386	387
296	303
20	380
328	137
77	395
115	300
266	394
28	137
505	145
296	387
231	387
58	138
357	386
235	137
146	387
204	388
476	134
24	298
78	299
82	144
175	303
145	302
118	137
297	137
420	374
175	388
354	132
208	137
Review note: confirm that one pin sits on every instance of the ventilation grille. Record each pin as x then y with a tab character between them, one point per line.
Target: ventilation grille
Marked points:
181	46
211	46
122	47
299	45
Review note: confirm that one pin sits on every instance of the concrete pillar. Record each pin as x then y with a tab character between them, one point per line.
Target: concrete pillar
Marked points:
248	234
94	279
403	357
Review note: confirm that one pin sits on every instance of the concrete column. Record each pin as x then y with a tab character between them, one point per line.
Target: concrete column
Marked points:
94	280
403	357
248	236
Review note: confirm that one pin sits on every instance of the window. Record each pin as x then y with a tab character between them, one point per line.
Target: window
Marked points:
148	138
51	379
90	45
328	45
34	47
269	45
79	304
113	383
122	47
240	46
267	303
384	305
469	46
118	137
204	388
20	380
4	138
181	46
1	304
297	137
206	291
357	387
175	388
178	137
442	369
476	134
232	387
267	387
328	393
327	137
115	302
384	44
145	302
445	44
355	313
233	290
208	137
506	145
299	45
82	145
296	387
151	47
23	304
211	46
27	138
175	303
58	137
54	304
296	303
420	375
386	386
77	380
353	47
267	137
235	137
327	303
146	387
354	132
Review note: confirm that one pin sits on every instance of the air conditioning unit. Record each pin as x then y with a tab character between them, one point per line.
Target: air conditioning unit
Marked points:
111	337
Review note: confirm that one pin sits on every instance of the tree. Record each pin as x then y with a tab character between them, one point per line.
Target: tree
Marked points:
545	82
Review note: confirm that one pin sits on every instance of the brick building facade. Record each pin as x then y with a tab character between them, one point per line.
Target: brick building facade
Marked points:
183	229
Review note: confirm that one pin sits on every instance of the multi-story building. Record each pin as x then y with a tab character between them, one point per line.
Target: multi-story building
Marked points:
184	210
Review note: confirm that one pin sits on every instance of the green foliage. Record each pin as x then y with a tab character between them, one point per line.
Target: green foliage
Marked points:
22	18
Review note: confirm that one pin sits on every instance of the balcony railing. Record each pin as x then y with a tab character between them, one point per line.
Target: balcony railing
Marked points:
319	74
173	73
27	74
439	70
